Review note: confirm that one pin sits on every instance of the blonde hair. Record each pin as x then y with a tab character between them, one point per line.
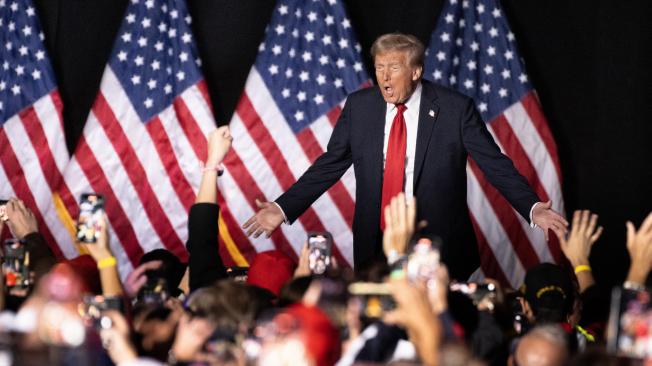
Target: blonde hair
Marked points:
400	42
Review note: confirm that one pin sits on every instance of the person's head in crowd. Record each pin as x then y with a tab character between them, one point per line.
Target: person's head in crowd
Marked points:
544	345
549	294
294	291
172	269
86	269
305	336
271	270
398	61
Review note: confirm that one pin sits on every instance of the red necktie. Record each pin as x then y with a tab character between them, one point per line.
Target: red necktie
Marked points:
394	174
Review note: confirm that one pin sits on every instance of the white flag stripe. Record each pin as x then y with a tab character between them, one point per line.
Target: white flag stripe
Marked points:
48	117
494	233
6	191
236	202
111	166
535	237
183	151
536	150
253	160
135	131
36	181
199	109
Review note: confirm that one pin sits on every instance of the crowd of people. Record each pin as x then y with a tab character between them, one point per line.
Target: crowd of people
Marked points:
277	312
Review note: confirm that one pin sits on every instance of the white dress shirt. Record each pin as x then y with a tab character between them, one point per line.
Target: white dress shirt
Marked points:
411	116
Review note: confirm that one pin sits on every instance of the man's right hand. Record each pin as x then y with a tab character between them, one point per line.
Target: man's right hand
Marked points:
266	220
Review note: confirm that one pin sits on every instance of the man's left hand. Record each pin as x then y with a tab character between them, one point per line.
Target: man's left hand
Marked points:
547	219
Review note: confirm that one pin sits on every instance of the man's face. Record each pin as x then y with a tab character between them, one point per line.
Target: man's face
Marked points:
397	79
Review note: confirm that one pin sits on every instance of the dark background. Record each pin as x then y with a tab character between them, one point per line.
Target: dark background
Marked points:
589	61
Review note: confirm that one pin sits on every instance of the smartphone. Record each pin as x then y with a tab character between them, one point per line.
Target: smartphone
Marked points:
320	246
238	274
424	258
475	291
629	331
92	308
91	213
155	290
16	265
374	299
3	210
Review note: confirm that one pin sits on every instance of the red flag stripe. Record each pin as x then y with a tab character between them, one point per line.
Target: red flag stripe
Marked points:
136	173
250	189
98	181
508	219
508	140
533	108
192	131
165	151
21	188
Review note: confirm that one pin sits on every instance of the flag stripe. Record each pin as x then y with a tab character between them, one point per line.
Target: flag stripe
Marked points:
250	189
175	174
190	129
20	186
495	235
487	258
533	108
245	253
507	219
137	175
281	170
98	181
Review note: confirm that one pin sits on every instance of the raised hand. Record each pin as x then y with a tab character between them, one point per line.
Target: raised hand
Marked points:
584	232
20	219
219	143
400	216
547	219
639	246
266	220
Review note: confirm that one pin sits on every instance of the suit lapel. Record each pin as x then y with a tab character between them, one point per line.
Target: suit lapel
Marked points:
428	113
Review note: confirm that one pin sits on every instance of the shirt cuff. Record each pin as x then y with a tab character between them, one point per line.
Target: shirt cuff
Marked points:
285	218
532	224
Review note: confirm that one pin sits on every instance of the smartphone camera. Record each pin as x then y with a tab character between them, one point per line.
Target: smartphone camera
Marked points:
93	307
91	213
319	252
374	299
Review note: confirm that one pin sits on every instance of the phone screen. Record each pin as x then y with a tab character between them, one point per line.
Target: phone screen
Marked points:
319	251
91	212
16	265
629	332
3	210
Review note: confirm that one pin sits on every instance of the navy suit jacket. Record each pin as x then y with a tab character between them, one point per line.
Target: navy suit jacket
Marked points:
450	129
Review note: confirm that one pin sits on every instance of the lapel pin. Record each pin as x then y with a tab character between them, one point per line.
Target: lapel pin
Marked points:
431	113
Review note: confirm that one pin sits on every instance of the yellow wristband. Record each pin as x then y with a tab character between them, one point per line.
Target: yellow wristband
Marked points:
106	263
582	268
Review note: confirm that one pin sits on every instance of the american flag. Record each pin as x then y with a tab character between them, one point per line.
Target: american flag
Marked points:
473	51
33	150
307	64
146	132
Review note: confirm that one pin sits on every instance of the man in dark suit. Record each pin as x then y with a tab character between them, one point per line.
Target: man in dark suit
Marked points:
413	136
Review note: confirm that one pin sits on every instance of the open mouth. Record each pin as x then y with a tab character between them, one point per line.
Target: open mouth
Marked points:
388	89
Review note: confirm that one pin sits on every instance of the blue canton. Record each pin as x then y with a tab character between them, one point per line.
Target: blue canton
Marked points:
154	56
25	71
309	59
472	51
